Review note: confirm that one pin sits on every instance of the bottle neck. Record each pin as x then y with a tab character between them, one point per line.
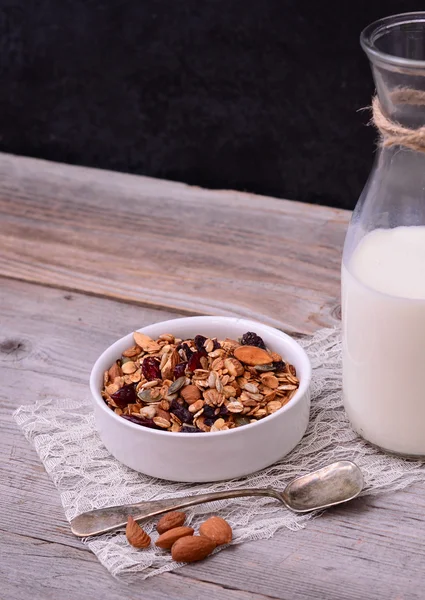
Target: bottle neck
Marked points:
395	46
402	96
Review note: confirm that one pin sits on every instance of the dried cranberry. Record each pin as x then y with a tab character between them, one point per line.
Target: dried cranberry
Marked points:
179	370
279	365
195	360
125	395
141	421
200	341
188	429
181	412
150	368
252	339
187	351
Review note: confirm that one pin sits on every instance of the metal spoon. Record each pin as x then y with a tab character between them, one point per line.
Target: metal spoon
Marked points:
339	482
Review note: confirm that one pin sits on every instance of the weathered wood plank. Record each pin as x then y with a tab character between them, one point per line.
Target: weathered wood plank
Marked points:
40	570
372	548
168	244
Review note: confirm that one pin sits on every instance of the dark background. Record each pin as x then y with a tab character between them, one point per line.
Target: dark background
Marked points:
247	94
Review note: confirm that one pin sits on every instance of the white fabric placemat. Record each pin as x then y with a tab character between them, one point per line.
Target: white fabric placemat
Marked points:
87	476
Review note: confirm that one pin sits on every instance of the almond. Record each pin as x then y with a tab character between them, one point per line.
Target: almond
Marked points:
172	361
115	371
141	339
131	352
136	536
191	549
216	529
152	347
252	356
168	538
190	393
170	521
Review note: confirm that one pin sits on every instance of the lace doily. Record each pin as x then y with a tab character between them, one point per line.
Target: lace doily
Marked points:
87	476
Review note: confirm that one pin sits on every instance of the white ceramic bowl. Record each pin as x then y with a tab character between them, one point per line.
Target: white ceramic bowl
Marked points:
209	456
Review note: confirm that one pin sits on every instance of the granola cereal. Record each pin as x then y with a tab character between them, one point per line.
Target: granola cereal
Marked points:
198	385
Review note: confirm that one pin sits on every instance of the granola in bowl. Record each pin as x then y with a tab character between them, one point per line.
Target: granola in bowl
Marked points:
198	385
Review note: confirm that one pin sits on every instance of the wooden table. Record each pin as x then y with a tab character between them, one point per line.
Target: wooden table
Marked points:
88	255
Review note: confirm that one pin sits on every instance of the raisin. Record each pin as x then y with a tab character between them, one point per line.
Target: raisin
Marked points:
125	395
187	351
150	368
209	411
179	370
181	412
216	344
200	341
188	429
141	421
223	411
252	339
195	360
210	421
279	365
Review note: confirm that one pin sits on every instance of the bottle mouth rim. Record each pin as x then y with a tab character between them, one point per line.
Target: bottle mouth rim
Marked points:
376	30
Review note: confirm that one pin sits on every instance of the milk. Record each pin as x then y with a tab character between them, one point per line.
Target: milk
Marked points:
383	302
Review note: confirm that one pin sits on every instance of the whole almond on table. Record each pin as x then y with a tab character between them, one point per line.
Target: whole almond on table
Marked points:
216	529
170	520
136	536
191	549
168	538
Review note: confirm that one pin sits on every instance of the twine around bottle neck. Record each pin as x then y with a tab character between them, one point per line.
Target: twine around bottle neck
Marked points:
394	133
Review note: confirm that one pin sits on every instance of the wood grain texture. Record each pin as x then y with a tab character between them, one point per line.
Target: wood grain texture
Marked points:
167	244
39	570
372	548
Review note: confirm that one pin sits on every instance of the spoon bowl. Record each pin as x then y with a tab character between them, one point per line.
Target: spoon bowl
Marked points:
331	485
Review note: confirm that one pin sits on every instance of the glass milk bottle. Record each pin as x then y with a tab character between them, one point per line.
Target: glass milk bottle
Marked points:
383	267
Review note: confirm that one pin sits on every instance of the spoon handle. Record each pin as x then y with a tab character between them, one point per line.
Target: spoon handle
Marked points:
103	520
